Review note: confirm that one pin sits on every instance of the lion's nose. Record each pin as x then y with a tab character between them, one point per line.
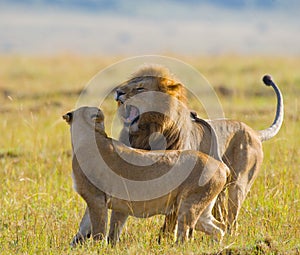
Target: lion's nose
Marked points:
118	94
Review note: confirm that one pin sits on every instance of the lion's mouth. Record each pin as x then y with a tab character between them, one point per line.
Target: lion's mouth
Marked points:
132	115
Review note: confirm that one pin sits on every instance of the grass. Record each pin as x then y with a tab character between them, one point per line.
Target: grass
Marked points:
40	212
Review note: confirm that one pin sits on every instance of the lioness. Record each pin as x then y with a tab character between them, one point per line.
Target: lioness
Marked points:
239	145
189	200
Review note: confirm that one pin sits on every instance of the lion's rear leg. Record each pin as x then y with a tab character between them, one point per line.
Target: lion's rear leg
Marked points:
220	211
245	162
237	193
236	196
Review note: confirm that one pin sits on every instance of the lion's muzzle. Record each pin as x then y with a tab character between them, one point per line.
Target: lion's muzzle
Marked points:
118	96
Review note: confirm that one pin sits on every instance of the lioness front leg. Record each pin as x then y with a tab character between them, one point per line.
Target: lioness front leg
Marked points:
187	219
189	211
85	229
169	226
117	221
98	217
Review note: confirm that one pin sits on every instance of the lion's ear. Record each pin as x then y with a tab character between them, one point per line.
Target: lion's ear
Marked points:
170	85
174	88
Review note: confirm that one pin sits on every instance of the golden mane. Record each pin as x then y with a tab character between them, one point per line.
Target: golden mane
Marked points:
153	70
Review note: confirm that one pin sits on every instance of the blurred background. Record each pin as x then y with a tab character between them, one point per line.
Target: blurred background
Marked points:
52	50
150	27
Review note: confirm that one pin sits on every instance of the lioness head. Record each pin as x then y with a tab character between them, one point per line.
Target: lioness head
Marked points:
149	78
91	115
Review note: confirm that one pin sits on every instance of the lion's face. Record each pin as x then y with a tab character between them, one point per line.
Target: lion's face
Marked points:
136	86
152	106
137	95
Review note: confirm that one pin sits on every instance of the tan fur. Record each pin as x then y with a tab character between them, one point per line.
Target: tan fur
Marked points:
188	201
239	145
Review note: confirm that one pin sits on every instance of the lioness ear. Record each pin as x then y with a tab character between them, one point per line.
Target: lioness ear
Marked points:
68	117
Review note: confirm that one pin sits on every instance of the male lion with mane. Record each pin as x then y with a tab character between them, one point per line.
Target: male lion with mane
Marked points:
175	127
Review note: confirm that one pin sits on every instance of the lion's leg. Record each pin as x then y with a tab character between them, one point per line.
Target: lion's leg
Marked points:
169	226
117	222
98	217
236	196
245	160
220	208
209	225
237	192
189	212
186	223
84	231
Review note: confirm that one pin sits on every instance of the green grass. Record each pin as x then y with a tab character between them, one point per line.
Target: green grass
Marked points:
40	211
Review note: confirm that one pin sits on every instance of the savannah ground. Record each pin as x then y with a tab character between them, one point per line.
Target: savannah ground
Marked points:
40	211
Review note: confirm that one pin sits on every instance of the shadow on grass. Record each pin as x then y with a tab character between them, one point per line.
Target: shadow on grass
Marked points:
9	154
264	246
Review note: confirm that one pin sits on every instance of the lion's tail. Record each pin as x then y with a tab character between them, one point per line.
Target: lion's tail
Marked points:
270	132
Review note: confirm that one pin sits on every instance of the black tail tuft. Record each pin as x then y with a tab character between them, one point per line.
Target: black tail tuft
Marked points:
267	79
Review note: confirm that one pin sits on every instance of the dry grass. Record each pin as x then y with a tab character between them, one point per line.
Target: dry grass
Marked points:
40	211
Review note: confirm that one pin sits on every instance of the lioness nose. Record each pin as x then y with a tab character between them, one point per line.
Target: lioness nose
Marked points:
118	94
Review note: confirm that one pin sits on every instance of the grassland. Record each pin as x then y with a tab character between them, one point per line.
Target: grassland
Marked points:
40	212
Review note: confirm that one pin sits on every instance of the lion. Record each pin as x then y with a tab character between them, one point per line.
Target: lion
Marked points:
171	125
189	200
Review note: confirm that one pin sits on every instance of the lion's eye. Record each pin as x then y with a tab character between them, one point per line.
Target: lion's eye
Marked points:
140	89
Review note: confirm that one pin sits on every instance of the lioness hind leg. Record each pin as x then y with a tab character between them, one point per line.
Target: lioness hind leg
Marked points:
117	221
209	225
